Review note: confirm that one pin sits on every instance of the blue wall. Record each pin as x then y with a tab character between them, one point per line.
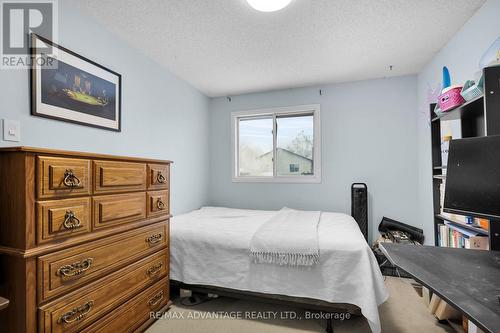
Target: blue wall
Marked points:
163	117
368	135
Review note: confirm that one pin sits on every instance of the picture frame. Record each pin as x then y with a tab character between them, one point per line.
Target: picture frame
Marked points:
69	87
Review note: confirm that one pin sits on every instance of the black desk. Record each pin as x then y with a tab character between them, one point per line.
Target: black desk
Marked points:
468	280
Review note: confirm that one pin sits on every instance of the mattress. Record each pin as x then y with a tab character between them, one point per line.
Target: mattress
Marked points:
210	246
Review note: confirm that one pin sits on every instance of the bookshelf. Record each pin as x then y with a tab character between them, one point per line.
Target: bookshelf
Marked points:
478	117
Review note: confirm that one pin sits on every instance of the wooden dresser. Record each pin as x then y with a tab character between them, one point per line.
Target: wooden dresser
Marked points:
83	241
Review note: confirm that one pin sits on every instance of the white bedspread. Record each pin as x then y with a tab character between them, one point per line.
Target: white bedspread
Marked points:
210	246
288	238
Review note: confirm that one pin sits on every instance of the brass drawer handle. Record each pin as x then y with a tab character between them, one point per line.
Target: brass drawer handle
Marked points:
155	239
76	268
160	204
70	180
156	299
76	314
155	269
71	221
160	178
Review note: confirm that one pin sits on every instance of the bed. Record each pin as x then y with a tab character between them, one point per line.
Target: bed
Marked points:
210	250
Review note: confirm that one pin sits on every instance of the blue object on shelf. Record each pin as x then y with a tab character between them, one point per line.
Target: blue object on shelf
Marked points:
472	90
446	78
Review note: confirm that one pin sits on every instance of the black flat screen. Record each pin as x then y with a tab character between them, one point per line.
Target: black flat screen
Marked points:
473	177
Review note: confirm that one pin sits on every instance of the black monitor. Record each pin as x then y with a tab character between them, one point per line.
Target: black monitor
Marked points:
473	177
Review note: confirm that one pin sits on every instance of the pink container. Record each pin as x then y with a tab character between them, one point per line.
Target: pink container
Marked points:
450	99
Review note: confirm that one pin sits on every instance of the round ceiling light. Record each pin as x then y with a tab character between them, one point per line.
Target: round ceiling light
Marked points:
268	5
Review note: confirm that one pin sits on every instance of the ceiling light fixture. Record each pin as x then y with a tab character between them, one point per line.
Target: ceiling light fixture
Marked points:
268	5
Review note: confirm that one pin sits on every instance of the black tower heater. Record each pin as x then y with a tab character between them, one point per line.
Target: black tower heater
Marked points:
359	206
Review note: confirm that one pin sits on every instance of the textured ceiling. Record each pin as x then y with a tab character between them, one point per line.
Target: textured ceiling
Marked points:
224	47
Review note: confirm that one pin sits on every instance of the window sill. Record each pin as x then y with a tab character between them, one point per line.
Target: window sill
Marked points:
293	180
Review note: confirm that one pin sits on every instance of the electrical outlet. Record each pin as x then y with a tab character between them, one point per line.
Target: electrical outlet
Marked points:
11	130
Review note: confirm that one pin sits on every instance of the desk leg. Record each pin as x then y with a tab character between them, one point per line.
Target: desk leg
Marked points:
329	325
494	235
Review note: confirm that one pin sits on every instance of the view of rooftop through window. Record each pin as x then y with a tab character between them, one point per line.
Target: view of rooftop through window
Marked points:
294	145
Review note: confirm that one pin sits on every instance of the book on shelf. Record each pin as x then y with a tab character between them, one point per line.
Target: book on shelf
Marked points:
475	222
450	235
455	217
483	223
442	188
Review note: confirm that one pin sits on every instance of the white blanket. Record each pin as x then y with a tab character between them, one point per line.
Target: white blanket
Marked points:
210	246
288	238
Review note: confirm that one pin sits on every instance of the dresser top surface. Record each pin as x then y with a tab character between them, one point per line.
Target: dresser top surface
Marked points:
66	153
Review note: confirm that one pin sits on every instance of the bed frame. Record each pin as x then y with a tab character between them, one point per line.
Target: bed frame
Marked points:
310	304
300	302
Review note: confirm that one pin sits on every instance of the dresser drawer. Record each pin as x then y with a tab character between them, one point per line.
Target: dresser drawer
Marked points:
86	305
59	219
111	210
134	313
158	176
158	203
69	269
119	176
62	177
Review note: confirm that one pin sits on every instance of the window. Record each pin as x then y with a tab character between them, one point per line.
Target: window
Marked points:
277	145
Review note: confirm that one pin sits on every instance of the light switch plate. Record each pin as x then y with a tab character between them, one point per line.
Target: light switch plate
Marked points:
11	130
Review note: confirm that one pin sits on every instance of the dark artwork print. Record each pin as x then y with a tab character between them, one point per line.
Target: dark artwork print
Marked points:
68	87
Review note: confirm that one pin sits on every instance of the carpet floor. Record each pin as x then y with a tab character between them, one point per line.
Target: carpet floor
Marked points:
403	312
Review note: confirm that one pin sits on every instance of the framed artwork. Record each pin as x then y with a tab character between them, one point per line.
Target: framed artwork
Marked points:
69	87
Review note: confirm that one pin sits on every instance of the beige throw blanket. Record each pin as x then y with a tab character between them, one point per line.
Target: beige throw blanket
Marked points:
288	238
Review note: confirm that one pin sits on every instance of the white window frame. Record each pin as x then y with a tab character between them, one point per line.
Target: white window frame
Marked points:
274	113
